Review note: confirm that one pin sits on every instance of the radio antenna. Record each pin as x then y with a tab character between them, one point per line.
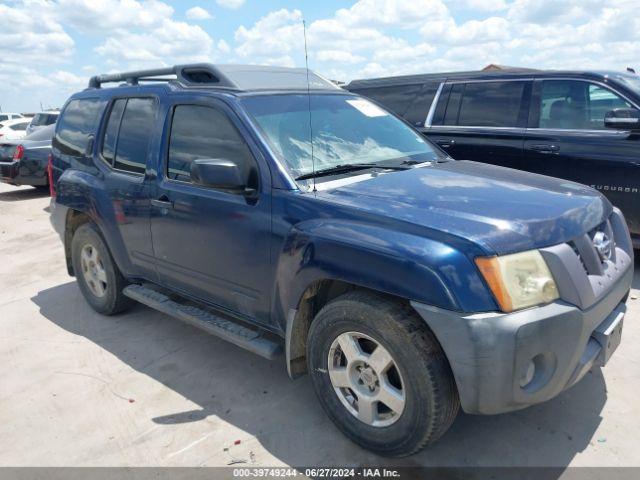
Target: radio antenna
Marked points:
306	63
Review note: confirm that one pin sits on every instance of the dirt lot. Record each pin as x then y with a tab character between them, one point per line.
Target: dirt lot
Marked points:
77	388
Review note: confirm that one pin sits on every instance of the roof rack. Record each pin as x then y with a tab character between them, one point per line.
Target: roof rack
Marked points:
195	74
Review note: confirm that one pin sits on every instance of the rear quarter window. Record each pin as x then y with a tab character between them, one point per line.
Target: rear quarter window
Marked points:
396	98
76	125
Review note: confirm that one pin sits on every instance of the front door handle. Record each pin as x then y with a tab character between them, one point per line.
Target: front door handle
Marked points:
446	143
545	148
162	202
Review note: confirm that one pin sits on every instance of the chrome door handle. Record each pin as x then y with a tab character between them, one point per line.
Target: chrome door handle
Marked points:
545	148
162	202
446	143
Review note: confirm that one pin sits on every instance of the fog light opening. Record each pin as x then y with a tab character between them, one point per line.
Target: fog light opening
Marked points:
528	375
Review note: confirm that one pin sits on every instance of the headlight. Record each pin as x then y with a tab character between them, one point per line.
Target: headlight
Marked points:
518	281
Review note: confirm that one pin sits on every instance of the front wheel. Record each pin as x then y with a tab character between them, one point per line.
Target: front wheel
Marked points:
99	278
380	374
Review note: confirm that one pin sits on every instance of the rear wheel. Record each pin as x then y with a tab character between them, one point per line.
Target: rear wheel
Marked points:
98	276
380	374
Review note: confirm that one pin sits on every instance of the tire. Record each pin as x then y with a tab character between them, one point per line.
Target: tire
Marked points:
419	374
99	278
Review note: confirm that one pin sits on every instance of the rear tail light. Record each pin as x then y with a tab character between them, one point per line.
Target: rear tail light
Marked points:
18	153
52	188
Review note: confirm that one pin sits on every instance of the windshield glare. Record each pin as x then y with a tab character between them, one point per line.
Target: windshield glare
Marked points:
346	130
631	81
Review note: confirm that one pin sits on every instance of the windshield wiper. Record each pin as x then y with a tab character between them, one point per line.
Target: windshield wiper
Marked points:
348	167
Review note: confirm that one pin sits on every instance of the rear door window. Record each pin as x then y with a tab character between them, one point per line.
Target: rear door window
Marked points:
486	104
111	131
77	124
128	133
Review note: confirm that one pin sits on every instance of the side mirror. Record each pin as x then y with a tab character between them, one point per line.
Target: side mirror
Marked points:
623	119
218	173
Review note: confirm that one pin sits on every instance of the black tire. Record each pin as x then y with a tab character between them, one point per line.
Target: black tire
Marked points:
112	301
431	398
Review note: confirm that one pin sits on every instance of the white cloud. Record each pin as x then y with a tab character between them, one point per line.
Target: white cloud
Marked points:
31	35
277	33
339	56
479	5
223	46
402	14
474	31
171	42
198	13
230	4
107	15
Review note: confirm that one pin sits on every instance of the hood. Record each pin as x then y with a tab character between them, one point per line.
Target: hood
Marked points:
500	209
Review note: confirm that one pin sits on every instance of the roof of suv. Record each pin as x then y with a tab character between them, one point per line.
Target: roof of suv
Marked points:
232	78
475	75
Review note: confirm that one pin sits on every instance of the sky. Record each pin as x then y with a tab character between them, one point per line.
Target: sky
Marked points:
50	48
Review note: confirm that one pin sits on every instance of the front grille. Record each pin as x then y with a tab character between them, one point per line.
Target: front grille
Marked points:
586	248
584	271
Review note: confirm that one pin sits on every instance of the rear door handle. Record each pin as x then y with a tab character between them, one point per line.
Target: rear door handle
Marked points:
162	202
545	148
446	143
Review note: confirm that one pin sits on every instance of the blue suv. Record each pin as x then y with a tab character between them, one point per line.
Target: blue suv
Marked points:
273	209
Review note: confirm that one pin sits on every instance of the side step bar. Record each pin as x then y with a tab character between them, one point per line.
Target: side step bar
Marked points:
244	337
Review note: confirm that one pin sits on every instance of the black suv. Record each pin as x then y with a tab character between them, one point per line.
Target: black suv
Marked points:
582	126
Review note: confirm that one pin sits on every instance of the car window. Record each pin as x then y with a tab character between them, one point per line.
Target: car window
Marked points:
576	105
4	117
453	105
19	126
411	101
134	135
111	131
418	109
486	104
77	123
41	119
204	132
346	130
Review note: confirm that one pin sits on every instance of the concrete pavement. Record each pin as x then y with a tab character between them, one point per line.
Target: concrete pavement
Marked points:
142	389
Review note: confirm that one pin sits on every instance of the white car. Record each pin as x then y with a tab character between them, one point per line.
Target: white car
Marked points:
14	129
42	119
4	116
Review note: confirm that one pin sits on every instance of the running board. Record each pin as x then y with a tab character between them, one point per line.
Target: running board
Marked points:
252	340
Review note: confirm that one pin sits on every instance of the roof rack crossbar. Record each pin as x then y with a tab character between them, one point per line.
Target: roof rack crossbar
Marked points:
199	74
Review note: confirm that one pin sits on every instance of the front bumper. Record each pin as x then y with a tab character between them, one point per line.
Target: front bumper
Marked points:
491	353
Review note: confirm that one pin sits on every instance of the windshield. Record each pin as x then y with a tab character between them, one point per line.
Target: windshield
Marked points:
631	81
346	130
